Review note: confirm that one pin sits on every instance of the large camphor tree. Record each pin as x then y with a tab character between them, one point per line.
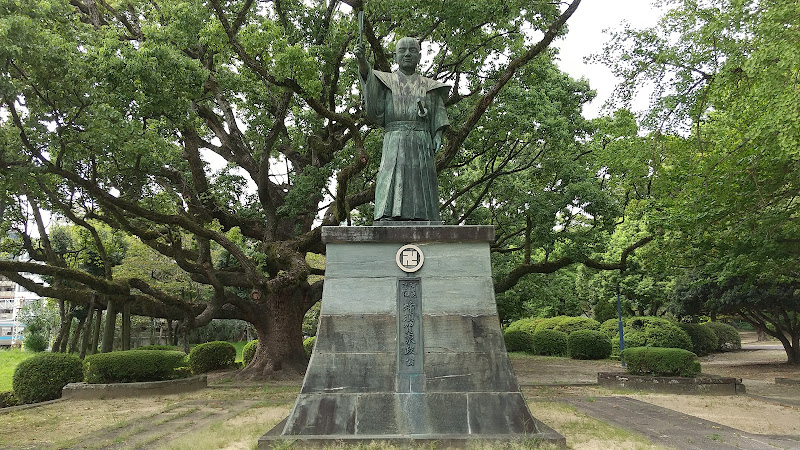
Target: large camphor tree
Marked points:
224	134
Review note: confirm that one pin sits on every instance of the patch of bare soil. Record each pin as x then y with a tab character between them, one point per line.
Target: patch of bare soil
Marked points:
770	408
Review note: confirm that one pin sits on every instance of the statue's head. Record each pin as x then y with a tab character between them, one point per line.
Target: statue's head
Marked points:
407	54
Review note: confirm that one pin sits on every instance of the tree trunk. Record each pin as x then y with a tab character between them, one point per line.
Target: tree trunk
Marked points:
88	329
126	326
186	338
73	343
64	333
96	332
108	330
761	336
792	347
279	328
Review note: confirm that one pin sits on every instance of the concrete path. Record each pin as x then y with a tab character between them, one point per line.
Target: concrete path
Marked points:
673	429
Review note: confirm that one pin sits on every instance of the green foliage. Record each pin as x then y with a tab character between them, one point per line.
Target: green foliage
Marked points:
9	360
571	324
308	344
173	348
527	325
550	343
133	366
727	337
231	330
588	344
518	341
605	310
249	351
42	376
34	341
7	399
568	324
661	361
704	339
211	356
724	114
311	320
647	331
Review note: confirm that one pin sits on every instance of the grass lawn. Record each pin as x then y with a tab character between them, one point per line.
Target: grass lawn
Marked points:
9	359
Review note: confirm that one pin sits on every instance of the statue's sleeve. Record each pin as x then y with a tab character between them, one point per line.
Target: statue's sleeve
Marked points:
374	98
439	120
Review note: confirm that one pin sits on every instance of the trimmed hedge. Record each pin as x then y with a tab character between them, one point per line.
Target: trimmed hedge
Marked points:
7	399
704	340
308	344
249	351
42	376
647	331
518	341
131	366
571	324
528	325
661	362
172	348
550	343
727	337
212	356
588	344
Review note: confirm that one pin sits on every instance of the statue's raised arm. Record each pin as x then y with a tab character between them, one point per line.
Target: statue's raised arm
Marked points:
411	109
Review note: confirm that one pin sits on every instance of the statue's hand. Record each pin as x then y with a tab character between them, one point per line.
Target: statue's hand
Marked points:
361	52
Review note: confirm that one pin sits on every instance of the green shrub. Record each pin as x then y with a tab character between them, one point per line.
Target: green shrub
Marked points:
727	337
588	344
550	343
133	365
172	348
704	340
249	351
518	341
308	344
550	323
528	325
661	361
571	324
34	342
611	327
7	399
212	356
647	331
42	376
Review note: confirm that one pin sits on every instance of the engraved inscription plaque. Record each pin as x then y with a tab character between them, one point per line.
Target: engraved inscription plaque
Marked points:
409	322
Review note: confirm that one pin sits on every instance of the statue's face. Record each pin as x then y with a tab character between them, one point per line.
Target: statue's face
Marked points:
407	54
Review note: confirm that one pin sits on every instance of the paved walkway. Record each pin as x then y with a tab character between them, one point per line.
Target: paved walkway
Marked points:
673	429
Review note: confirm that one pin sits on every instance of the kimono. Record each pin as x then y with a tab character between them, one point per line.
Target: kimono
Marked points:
411	110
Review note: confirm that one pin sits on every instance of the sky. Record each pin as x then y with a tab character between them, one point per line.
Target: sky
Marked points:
586	37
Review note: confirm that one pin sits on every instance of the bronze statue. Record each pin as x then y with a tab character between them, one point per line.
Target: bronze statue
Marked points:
411	109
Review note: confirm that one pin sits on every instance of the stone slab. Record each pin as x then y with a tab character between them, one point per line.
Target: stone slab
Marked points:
86	391
374	260
406	234
357	333
469	372
673	385
351	372
461	334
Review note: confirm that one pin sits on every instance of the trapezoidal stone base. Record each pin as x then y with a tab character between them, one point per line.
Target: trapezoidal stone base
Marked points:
410	355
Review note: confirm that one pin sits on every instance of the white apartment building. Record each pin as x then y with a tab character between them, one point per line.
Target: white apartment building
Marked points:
12	298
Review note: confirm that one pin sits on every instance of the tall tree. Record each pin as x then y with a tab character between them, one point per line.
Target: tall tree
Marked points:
727	93
113	112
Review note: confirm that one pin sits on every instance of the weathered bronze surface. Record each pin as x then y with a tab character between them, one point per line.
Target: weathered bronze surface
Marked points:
411	109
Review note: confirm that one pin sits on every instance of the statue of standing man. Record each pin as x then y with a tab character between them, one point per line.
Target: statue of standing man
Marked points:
411	109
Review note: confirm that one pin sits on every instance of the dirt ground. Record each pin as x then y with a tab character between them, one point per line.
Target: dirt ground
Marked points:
233	415
768	408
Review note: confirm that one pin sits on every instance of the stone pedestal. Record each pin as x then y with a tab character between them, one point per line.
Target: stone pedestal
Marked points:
409	356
